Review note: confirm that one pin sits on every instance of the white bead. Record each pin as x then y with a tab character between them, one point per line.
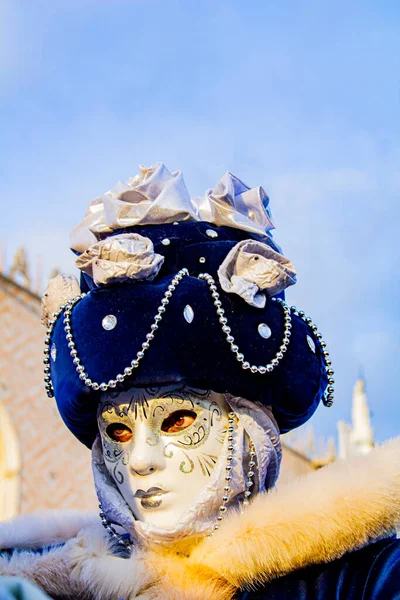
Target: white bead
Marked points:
109	322
264	330
188	313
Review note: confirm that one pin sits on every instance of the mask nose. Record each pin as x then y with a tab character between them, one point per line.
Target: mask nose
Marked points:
141	467
145	459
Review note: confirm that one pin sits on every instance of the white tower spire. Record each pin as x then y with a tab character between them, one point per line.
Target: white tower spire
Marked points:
362	434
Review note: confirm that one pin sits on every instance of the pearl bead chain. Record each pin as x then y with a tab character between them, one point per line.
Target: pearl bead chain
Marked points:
232	427
104	386
228	468
328	398
250	475
262	370
230	339
46	360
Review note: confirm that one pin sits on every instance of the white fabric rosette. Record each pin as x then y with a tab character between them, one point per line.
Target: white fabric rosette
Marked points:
233	204
124	257
155	197
59	290
251	268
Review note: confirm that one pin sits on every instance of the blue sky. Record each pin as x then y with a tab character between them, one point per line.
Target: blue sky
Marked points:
301	97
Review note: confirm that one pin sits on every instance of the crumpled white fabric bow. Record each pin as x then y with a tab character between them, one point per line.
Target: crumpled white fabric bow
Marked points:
252	266
123	257
156	196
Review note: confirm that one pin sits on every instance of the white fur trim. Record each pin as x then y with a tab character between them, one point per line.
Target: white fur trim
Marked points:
314	519
40	529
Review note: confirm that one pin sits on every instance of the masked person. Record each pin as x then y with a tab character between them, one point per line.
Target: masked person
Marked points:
178	362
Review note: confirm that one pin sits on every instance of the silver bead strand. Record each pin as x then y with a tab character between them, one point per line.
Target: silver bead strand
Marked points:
250	475
232	425
263	369
328	397
111	531
104	386
46	360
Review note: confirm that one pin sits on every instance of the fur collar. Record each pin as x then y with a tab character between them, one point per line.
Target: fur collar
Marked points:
315	519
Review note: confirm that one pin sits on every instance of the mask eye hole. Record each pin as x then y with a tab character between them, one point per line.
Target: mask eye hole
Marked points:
178	421
119	432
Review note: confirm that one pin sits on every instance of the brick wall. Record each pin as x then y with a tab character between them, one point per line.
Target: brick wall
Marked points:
56	470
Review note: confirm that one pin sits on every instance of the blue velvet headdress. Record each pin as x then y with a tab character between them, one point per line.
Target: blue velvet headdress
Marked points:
169	297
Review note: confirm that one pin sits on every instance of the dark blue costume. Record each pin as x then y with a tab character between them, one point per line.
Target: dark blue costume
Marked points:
372	573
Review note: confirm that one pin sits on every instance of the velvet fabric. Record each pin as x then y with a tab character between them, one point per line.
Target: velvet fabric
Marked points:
372	573
188	242
195	353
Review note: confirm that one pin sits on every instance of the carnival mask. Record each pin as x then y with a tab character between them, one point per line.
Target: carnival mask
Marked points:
161	446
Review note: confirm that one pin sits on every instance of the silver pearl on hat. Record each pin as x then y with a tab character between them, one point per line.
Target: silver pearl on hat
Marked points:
264	330
166	242
188	313
109	322
311	343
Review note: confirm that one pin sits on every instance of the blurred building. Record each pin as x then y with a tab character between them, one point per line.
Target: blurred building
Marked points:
43	466
357	438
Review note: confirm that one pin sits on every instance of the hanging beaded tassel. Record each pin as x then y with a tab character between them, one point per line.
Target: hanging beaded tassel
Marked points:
250	475
112	532
228	468
232	428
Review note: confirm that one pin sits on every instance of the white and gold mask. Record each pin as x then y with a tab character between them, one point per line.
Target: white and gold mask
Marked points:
161	447
160	462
